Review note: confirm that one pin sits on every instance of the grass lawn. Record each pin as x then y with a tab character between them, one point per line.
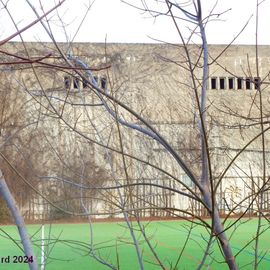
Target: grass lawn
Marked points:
68	246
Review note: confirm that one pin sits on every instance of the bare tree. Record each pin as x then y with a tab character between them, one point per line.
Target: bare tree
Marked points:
122	144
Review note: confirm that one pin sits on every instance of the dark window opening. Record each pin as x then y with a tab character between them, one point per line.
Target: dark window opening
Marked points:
85	83
222	83
67	82
76	83
213	83
231	83
257	83
248	83
239	83
103	83
95	80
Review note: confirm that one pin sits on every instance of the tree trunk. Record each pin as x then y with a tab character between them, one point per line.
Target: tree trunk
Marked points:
27	245
219	232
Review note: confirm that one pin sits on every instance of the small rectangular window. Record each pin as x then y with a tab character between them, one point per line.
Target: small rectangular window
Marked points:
85	83
222	83
239	83
95	80
257	83
248	83
67	82
213	83
103	83
76	83
231	83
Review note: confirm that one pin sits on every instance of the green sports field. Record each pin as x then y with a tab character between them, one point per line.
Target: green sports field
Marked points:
68	246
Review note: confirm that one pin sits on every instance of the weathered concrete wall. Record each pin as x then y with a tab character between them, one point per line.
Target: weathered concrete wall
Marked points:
153	80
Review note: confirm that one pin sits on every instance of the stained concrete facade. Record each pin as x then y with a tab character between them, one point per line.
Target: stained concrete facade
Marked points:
69	124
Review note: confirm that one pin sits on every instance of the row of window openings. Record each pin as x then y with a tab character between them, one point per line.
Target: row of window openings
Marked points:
77	83
223	83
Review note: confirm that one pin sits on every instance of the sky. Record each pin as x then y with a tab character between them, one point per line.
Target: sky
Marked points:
116	21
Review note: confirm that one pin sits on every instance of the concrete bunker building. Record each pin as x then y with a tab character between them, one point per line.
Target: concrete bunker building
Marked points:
59	127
